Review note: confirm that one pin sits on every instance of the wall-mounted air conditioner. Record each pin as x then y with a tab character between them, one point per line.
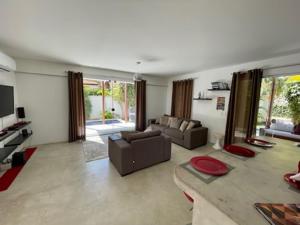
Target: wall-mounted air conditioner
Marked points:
7	63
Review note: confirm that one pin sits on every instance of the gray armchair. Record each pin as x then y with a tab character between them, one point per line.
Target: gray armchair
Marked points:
138	151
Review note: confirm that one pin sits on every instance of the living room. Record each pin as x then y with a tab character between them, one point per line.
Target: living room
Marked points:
178	87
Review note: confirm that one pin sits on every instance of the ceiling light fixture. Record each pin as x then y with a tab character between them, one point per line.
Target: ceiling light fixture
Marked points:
137	76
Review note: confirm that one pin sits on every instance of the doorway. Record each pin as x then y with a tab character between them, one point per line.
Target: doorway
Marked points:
109	106
109	109
279	110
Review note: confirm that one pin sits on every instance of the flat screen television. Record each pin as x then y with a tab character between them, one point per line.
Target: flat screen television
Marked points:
7	105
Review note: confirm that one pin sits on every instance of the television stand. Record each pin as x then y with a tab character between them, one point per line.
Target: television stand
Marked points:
14	140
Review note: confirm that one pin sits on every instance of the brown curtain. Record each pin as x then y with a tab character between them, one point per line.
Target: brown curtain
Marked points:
229	131
243	105
256	78
182	96
76	107
140	93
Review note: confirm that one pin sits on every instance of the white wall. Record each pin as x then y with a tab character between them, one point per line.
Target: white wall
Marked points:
156	99
206	110
43	91
45	99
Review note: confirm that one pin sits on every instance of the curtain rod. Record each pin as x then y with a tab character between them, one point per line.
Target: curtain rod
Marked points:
65	76
44	74
283	66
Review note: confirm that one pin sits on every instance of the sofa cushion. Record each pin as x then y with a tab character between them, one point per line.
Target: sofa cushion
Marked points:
170	120
283	134
282	125
124	134
158	127
183	125
175	123
173	132
164	120
141	135
190	125
149	128
157	121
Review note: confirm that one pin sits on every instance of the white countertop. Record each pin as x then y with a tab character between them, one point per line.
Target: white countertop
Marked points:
256	180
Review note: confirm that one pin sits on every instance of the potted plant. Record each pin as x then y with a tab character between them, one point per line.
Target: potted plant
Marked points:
293	98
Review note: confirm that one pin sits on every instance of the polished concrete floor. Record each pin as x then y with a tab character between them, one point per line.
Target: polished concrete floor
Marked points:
58	187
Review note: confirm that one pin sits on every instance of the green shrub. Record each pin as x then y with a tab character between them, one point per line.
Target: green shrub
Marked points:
87	105
108	115
95	91
293	98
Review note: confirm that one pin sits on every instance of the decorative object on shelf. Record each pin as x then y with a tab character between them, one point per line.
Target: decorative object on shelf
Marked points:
202	96
221	103
199	94
219	85
21	113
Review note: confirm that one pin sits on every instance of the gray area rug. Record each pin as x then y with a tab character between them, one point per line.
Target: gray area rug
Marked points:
95	148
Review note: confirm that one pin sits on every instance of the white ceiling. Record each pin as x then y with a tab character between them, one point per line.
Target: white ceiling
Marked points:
170	37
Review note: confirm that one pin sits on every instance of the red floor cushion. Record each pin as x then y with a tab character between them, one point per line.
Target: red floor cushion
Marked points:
239	150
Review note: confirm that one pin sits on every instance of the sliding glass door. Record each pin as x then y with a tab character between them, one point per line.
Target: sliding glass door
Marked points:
110	106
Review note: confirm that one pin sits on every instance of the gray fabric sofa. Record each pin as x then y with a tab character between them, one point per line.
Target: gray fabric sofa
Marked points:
188	138
280	129
138	150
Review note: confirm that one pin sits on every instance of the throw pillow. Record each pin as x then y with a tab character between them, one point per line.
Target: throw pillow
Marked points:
178	123
183	125
191	125
172	121
164	120
148	129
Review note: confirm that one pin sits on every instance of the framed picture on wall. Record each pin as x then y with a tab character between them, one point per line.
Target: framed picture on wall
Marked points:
221	103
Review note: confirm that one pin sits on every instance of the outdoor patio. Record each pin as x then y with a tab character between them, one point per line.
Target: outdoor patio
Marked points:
98	128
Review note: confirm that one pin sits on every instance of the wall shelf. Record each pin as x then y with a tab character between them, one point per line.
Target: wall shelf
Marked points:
18	140
219	89
13	141
204	99
6	151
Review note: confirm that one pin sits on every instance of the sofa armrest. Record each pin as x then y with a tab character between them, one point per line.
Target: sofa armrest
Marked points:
262	131
151	121
121	155
167	147
195	137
